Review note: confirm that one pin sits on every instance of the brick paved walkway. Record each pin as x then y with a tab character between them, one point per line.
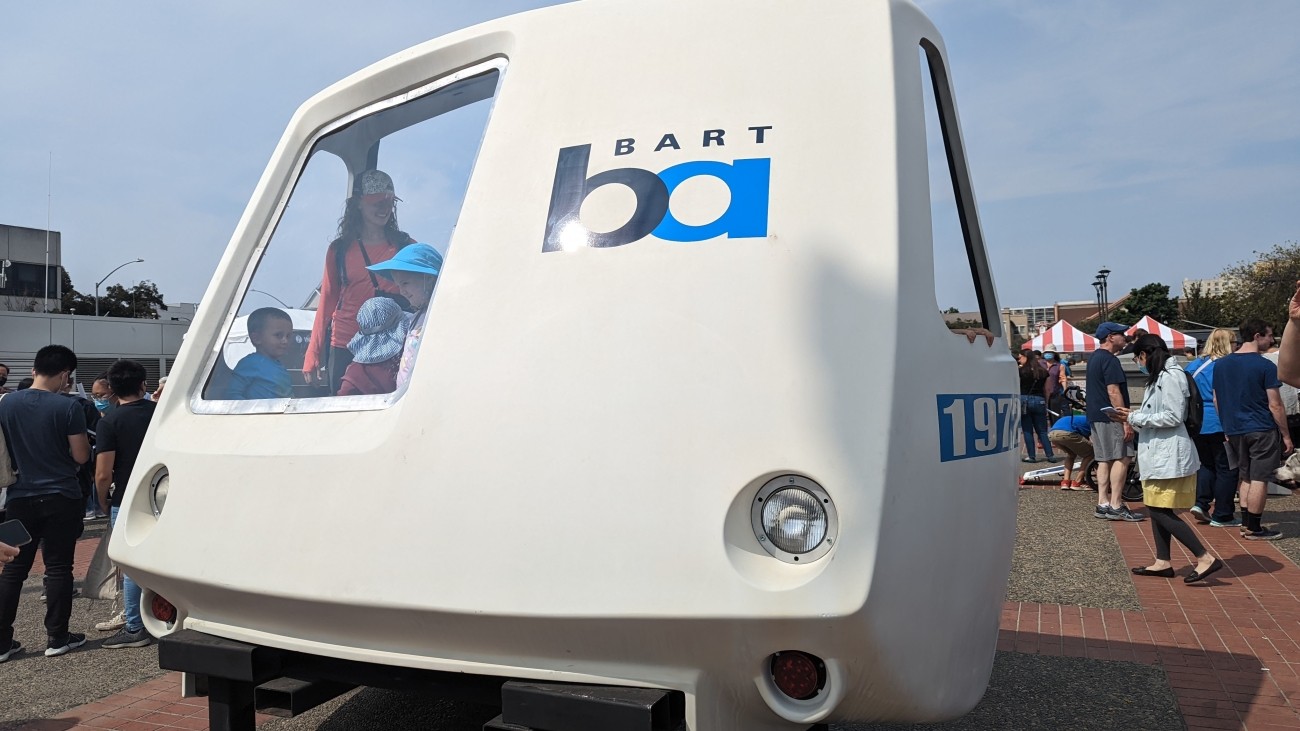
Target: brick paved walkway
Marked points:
1230	646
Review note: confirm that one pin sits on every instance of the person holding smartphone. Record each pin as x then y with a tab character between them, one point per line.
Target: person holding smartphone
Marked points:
46	433
1112	441
1168	458
7	553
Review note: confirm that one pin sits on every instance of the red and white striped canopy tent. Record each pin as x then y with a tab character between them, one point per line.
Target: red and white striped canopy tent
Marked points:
1172	337
1065	337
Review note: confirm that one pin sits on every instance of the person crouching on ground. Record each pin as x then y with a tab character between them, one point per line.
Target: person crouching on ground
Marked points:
1168	458
376	348
260	375
1071	434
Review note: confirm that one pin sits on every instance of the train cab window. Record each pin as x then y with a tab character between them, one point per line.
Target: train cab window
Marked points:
334	309
963	289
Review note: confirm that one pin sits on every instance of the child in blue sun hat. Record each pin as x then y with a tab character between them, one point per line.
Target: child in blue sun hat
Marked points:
415	270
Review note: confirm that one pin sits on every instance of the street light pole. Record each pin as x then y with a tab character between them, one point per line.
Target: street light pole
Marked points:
1102	275
268	294
106	276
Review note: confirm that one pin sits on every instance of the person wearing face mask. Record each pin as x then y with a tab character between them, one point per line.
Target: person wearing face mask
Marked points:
415	271
102	395
46	434
1167	457
4	378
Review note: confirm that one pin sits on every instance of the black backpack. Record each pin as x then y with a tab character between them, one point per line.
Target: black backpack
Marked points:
1195	407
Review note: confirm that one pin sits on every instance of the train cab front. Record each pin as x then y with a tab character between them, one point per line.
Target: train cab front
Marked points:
613	369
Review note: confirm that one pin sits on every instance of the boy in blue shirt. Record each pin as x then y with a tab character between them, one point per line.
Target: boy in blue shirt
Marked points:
260	375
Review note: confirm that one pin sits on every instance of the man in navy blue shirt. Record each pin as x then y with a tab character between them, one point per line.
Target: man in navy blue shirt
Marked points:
46	434
1249	404
1112	441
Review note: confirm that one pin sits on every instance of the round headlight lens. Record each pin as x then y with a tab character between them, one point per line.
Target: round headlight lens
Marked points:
158	492
794	520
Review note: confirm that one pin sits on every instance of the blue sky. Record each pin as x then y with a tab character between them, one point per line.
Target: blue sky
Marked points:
1160	139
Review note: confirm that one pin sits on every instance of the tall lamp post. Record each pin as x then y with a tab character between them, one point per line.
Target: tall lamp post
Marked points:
1102	275
106	276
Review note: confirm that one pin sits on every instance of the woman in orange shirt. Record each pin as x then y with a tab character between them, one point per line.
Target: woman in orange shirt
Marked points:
368	234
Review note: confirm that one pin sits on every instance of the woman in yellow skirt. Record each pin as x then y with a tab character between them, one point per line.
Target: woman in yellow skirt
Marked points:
1166	458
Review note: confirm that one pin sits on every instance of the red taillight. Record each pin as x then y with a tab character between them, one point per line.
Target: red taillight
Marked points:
798	674
163	610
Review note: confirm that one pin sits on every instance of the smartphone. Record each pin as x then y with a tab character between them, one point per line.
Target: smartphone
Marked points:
1109	411
14	533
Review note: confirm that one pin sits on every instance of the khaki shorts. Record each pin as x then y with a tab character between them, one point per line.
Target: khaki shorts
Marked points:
1074	443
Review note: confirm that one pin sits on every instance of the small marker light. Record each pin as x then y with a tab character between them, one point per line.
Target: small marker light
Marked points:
798	674
163	610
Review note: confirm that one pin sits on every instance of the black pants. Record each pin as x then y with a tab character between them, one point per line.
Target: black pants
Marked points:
1216	482
55	523
1165	524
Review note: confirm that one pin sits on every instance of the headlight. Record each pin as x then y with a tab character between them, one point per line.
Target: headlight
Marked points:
794	519
158	491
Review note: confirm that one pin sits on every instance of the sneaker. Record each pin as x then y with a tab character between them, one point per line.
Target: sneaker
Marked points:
1053	459
15	647
1102	511
1230	523
127	638
73	641
90	515
1124	514
110	625
1199	514
1264	534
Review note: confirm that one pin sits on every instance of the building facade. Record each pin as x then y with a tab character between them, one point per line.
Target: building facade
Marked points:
28	282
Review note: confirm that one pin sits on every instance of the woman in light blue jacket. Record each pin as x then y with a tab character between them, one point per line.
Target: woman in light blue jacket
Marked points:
1166	458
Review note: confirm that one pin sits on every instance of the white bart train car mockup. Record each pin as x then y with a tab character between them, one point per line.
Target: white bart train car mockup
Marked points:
685	443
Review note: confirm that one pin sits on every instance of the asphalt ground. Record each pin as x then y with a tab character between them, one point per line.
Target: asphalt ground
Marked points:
1062	555
33	686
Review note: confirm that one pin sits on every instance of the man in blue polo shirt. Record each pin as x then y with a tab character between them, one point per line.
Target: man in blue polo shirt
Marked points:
1112	441
1249	404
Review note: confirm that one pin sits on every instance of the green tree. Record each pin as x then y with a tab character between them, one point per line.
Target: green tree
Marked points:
1263	287
1202	309
74	302
1151	299
140	301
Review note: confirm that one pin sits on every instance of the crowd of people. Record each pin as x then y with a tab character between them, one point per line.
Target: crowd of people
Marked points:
1219	469
68	452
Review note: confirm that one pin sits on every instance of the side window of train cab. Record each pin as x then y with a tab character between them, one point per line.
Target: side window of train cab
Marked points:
963	288
333	312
